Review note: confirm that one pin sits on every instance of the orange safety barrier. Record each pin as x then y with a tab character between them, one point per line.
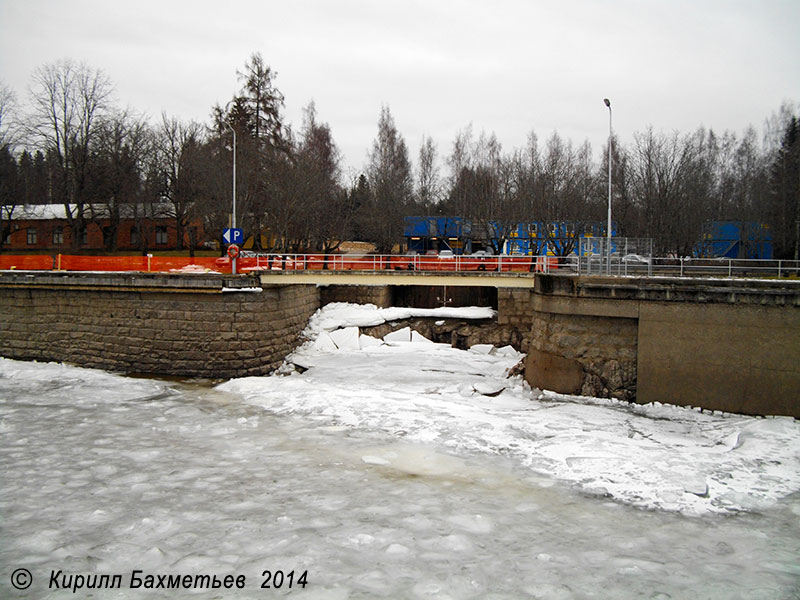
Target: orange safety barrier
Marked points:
67	262
162	264
279	262
197	264
33	262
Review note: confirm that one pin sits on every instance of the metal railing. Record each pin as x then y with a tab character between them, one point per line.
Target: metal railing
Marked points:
630	264
637	265
391	262
725	267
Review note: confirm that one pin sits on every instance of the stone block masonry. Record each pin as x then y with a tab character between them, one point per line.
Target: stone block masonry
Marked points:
589	355
379	295
515	312
184	326
206	325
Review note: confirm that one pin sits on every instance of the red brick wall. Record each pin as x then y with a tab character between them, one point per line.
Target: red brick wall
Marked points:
45	228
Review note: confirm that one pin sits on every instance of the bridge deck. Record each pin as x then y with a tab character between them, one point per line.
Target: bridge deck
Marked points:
473	279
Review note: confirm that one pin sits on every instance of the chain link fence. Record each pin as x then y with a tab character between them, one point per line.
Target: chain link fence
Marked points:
627	256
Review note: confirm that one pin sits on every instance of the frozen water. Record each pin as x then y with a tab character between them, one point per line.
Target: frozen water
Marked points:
346	338
401	335
653	456
367	341
384	473
481	348
418	338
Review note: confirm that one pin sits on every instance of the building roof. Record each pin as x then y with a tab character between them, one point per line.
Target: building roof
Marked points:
50	212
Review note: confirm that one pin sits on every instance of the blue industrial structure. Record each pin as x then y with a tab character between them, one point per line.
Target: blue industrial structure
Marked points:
554	238
434	234
735	239
535	238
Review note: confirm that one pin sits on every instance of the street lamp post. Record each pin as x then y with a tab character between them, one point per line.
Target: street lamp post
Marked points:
608	230
233	216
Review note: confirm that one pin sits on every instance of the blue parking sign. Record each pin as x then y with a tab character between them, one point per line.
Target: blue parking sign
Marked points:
232	236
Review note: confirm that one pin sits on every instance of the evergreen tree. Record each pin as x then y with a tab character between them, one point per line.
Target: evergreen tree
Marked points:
10	191
263	101
785	205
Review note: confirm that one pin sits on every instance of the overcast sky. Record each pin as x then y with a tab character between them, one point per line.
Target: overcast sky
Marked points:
505	66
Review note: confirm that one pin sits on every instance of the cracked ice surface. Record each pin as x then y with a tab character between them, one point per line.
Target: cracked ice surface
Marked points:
654	456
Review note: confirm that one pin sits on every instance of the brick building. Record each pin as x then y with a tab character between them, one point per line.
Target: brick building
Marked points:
46	227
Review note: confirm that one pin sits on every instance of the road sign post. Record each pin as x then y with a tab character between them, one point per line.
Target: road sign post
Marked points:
234	238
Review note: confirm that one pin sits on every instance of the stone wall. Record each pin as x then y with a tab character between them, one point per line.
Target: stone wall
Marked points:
586	355
458	333
155	330
515	312
379	295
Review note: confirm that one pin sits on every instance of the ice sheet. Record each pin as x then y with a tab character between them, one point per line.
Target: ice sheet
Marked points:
104	474
654	456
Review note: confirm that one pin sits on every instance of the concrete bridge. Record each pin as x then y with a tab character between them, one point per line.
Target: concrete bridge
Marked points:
719	344
401	278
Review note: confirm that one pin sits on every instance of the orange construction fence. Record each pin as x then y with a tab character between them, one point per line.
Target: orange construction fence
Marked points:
304	262
157	264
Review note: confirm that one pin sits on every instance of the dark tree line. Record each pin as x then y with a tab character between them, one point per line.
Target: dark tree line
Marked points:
71	145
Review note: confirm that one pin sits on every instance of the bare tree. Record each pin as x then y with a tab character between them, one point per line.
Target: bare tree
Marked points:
671	187
116	171
390	183
428	188
178	146
325	213
10	132
69	100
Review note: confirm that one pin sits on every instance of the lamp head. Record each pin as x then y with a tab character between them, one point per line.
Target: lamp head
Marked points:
607	102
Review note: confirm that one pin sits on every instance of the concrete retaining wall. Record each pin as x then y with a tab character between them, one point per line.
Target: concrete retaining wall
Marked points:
718	344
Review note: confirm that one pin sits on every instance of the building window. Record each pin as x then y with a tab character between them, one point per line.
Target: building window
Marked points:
58	236
134	236
32	237
84	237
161	235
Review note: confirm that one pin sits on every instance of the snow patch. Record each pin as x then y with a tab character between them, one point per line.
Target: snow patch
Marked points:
337	315
251	290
